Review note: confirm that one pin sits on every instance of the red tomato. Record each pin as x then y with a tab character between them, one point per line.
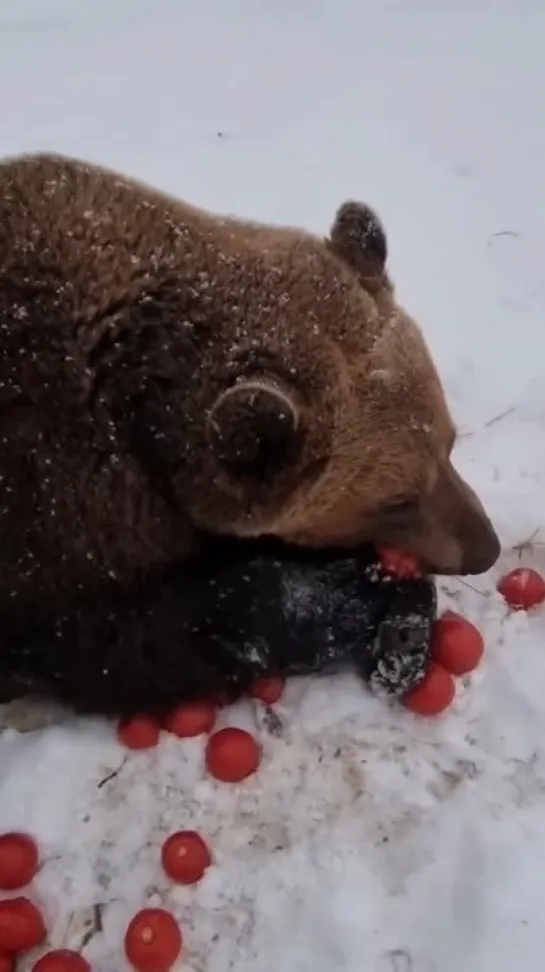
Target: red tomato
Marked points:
456	644
7	962
21	925
62	960
19	860
191	719
153	940
433	694
398	564
139	732
232	754
267	690
522	588
185	857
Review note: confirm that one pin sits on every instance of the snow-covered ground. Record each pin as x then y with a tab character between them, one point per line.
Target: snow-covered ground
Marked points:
370	841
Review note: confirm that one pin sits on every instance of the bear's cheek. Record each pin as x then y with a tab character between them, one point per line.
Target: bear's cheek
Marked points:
344	523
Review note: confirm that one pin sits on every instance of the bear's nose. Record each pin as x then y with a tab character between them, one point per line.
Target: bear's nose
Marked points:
480	560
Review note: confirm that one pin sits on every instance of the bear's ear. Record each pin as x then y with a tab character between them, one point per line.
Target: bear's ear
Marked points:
358	237
253	427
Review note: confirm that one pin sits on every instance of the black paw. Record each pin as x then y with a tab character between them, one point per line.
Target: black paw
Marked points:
403	658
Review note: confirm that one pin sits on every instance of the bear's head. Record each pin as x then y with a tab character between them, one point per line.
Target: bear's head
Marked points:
312	410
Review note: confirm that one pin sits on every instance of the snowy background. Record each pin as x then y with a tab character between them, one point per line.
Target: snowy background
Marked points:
370	841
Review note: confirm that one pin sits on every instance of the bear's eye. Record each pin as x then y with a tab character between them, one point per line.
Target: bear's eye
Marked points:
400	509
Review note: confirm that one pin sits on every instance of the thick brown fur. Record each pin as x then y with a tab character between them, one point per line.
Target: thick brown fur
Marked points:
167	374
164	370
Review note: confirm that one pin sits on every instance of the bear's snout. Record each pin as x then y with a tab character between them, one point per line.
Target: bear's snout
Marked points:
485	558
458	536
479	542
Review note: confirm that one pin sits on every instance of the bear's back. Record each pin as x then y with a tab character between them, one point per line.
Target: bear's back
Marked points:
77	245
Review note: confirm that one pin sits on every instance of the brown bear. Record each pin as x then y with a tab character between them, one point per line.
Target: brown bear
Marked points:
168	377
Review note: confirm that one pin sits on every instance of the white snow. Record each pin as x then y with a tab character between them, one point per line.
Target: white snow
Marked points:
370	841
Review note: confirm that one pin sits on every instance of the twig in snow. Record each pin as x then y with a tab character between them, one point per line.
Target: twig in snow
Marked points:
498	418
471	588
526	546
98	917
96	926
112	775
494	236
